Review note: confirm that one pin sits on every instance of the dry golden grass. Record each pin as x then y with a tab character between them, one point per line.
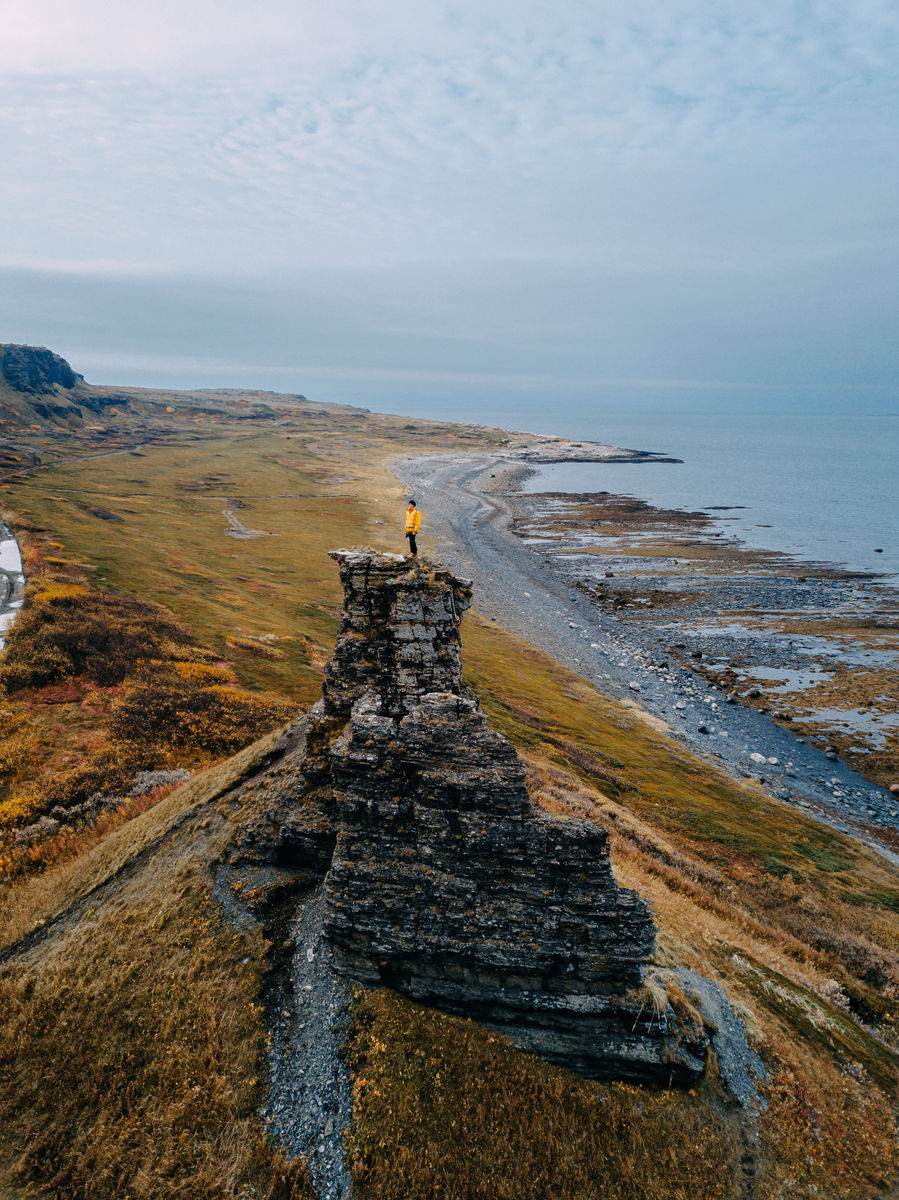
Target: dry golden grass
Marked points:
132	1055
447	1110
827	1132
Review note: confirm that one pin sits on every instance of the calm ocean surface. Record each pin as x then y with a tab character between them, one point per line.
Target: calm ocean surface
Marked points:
826	485
820	487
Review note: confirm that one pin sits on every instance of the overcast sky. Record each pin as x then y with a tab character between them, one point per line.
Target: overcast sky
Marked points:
449	207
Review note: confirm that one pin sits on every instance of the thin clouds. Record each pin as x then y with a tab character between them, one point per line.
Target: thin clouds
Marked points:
634	140
370	153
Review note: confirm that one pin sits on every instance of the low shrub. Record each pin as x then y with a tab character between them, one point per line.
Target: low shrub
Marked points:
173	708
68	629
21	809
110	771
19	749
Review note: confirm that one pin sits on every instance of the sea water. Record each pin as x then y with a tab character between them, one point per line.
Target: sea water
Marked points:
822	488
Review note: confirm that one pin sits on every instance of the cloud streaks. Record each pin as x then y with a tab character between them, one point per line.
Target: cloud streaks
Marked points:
635	142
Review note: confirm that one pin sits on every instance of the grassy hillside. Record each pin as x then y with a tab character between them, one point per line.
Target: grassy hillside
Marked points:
132	1049
142	1006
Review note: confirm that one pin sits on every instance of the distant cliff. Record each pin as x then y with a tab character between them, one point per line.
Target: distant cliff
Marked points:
36	370
36	384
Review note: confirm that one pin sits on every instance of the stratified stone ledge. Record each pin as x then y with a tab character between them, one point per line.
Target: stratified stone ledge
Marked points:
445	882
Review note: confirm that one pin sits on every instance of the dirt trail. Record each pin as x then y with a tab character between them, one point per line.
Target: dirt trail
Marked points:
236	527
467	523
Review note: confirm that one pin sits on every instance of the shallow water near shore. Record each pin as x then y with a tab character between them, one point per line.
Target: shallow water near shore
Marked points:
816	646
11	580
821	488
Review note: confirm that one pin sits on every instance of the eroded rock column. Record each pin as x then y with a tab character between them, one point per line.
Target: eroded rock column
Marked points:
446	883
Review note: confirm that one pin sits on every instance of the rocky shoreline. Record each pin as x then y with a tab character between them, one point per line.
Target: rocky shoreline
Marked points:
813	645
471	505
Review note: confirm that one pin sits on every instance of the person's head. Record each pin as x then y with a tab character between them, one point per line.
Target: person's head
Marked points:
411	503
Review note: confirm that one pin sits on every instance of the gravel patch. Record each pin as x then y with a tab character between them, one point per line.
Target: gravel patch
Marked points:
465	524
308	1106
739	1064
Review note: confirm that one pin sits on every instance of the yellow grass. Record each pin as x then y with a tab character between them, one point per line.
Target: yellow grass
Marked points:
132	1056
447	1110
797	920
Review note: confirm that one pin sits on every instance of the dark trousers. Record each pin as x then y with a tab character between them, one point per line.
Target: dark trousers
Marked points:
413	549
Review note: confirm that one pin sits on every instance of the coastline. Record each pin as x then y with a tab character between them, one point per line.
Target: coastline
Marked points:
472	505
813	644
818	489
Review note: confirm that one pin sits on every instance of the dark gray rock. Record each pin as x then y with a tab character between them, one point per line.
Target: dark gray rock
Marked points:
443	880
35	369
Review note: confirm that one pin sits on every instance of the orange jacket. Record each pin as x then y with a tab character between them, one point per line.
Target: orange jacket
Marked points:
413	520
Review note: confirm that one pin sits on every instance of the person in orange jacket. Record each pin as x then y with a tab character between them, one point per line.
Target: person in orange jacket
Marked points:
413	520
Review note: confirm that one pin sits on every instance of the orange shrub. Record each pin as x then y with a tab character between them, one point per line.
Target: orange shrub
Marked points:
21	809
203	674
67	630
163	709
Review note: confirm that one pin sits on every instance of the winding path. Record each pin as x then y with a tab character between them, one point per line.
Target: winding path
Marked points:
470	530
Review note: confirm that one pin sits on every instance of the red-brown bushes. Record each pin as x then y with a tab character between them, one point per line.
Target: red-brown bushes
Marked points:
69	629
165	708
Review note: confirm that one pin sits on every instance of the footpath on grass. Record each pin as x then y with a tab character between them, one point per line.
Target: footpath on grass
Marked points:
467	523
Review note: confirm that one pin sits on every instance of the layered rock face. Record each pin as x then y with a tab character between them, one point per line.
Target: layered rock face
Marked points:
445	882
35	369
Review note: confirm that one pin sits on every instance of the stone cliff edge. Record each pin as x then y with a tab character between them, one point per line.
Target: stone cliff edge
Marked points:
441	878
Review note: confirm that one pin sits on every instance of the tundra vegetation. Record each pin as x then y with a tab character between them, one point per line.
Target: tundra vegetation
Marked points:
132	1047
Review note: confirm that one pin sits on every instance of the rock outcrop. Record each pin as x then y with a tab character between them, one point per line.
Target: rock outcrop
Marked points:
444	881
36	370
49	386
